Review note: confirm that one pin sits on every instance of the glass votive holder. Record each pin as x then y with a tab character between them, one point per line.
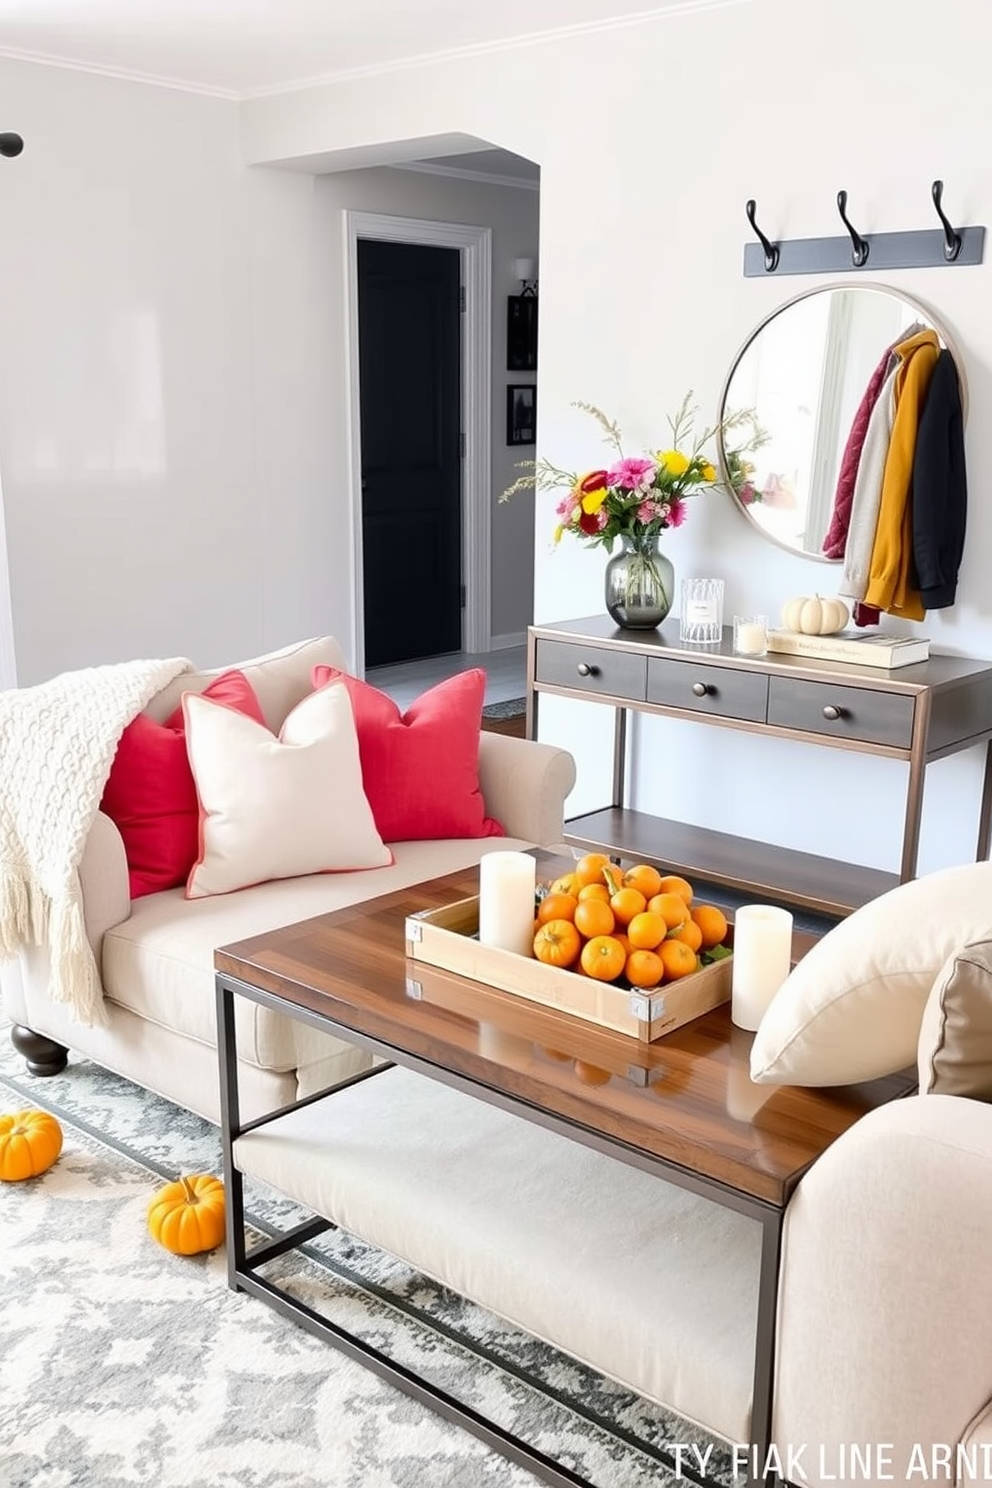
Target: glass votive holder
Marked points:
751	635
701	613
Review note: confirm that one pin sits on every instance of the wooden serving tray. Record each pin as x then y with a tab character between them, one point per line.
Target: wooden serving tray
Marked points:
445	938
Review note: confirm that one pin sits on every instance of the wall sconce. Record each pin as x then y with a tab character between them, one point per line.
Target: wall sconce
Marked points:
525	269
11	145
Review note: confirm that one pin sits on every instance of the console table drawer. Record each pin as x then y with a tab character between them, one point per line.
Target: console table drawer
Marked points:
723	691
843	712
592	669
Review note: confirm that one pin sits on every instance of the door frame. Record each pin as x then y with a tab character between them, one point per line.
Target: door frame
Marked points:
475	249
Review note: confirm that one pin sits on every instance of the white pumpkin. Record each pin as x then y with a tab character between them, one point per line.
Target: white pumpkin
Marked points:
811	614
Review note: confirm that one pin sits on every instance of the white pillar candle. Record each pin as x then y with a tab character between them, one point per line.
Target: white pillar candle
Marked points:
507	881
761	960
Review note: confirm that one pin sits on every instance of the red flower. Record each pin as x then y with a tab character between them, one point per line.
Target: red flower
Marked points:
592	522
595	481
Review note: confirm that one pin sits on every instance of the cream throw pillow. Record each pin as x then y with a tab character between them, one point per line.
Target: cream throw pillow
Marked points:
278	808
852	1008
954	1056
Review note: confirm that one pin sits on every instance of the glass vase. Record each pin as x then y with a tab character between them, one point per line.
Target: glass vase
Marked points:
640	584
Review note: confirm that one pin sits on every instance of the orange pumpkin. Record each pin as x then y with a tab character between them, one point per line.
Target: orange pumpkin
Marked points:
30	1141
187	1217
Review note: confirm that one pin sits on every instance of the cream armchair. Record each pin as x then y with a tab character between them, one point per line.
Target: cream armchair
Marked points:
884	1341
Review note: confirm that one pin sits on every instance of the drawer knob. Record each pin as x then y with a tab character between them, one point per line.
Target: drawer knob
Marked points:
831	713
700	689
585	670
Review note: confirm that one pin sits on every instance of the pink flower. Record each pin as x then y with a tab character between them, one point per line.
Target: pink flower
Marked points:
650	511
632	475
677	512
566	507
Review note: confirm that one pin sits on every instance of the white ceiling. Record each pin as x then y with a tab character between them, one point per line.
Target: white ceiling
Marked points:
242	47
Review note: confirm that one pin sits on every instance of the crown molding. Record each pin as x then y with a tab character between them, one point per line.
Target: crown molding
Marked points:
487	48
122	74
374	69
460	173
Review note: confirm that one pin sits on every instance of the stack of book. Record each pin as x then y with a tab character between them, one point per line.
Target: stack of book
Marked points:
860	650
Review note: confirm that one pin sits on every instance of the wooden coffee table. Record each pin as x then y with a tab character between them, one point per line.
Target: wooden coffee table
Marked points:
682	1107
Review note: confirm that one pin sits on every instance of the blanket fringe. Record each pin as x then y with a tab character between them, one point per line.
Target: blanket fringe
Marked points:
28	916
75	980
24	912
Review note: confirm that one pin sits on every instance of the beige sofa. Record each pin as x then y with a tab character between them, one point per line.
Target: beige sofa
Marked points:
156	954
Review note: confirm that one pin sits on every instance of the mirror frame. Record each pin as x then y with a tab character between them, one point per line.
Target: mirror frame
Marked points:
919	305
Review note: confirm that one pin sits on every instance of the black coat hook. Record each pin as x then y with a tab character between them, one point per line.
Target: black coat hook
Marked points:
952	240
11	145
771	251
859	256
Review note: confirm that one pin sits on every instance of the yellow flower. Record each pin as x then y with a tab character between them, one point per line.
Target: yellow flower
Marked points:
709	474
674	461
558	532
593	500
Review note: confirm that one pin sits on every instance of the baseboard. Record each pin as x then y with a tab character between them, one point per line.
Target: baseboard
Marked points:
504	642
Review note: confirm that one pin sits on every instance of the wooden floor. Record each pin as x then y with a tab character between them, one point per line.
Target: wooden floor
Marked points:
515	727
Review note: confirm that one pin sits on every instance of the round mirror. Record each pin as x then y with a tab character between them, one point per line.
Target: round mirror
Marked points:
791	398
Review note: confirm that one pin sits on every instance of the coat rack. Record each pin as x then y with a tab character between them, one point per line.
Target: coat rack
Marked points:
923	249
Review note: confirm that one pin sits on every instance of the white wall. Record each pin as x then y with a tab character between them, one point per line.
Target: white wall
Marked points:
290	534
162	388
512	215
8	662
171	374
650	138
124	371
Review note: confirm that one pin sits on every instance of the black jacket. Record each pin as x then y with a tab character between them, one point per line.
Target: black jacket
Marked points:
940	488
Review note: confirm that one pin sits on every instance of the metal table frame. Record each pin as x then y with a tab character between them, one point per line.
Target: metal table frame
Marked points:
242	1266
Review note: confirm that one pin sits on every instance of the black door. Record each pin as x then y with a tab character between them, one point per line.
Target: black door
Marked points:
409	384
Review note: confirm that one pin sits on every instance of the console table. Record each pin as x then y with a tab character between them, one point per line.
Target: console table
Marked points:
916	714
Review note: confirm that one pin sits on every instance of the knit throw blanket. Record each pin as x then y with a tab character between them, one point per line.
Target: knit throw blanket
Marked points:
57	744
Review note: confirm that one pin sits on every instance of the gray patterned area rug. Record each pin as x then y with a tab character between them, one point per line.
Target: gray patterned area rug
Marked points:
121	1364
511	708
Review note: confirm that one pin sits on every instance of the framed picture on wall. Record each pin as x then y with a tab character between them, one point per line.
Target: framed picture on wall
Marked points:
521	333
521	413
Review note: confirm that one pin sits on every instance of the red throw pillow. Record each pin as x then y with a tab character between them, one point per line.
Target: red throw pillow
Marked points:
150	794
420	768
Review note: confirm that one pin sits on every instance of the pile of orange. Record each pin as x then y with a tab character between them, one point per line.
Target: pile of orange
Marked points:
634	924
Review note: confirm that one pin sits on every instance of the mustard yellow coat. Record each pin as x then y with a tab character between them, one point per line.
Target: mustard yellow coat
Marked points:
890	576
